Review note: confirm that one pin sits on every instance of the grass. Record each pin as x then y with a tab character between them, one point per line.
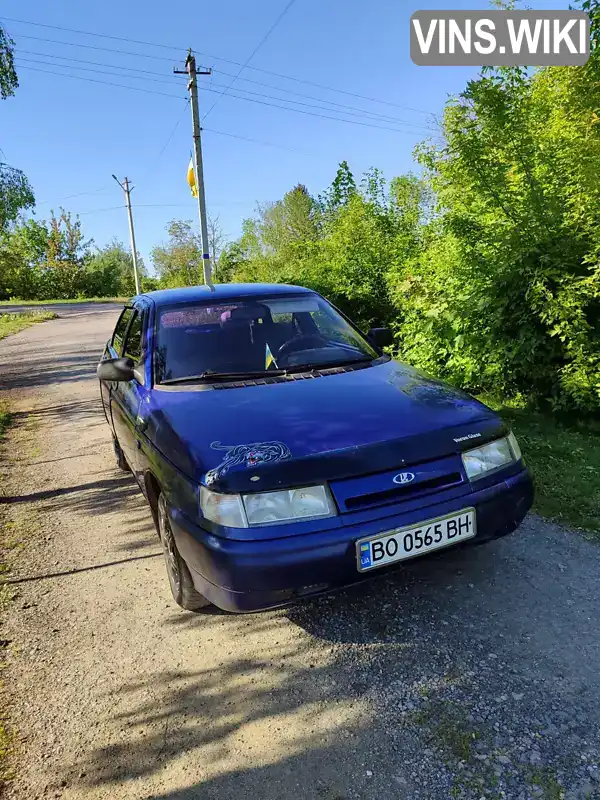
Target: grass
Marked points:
565	462
544	778
13	323
16	302
5	417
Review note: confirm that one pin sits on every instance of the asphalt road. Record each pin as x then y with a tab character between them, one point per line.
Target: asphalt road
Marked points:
62	309
472	674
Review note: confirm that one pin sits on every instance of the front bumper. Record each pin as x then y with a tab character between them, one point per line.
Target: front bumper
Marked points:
253	575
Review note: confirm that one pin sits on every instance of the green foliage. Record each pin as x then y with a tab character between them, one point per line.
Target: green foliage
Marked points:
179	261
564	459
15	192
347	245
8	76
52	260
109	272
508	295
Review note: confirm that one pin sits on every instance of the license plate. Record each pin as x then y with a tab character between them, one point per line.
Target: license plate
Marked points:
398	545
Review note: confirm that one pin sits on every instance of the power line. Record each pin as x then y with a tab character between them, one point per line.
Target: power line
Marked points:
236	96
207	55
106	83
313	114
260	141
252	54
373	114
311	105
70	196
361	112
22	60
177	124
356	113
221	133
95	47
93	63
98	210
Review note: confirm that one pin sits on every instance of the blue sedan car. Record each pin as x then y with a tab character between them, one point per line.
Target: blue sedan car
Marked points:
284	454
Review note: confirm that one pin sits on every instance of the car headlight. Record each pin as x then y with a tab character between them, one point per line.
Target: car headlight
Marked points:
224	509
266	508
491	457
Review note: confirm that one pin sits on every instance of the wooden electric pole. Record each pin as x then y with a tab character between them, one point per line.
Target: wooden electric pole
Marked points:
190	69
128	189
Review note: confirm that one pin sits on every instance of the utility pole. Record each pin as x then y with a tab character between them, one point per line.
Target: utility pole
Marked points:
190	69
128	189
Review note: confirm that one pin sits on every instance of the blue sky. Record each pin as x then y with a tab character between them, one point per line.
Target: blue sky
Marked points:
70	135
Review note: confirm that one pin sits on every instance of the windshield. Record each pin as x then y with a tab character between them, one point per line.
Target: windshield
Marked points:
255	335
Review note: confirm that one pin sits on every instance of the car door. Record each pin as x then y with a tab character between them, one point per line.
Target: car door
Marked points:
127	397
114	349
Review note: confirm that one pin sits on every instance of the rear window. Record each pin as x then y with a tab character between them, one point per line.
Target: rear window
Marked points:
193	316
256	335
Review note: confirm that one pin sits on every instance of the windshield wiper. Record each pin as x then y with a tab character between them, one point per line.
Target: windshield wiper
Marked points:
222	376
211	375
331	364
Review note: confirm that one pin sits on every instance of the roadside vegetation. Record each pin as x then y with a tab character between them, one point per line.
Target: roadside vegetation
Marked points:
564	458
15	302
15	322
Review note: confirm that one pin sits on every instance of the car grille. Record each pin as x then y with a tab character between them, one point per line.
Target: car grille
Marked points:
381	489
403	492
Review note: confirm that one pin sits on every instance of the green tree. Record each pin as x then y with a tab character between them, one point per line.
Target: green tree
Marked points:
179	261
109	272
231	261
510	298
23	252
67	254
15	192
340	191
9	81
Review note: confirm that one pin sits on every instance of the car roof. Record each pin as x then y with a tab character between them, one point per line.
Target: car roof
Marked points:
222	291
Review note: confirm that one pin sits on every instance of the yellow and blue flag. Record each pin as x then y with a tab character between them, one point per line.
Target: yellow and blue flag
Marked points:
191	178
269	357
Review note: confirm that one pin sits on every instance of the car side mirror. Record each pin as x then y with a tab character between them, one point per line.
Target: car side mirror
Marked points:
382	337
115	369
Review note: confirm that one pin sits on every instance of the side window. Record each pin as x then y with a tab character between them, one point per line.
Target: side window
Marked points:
120	330
133	345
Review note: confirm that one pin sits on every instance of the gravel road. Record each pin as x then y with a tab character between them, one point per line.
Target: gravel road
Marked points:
474	674
62	309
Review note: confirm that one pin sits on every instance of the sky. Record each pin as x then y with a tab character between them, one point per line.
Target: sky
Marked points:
69	135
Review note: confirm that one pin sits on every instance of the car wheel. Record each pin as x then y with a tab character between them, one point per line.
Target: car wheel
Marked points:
180	580
121	462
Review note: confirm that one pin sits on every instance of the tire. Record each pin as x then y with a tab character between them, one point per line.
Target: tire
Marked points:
121	462
180	580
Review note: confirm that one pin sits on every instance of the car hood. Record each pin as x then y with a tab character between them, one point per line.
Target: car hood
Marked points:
264	436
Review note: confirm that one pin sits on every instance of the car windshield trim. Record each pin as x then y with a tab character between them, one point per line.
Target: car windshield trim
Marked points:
273	373
210	375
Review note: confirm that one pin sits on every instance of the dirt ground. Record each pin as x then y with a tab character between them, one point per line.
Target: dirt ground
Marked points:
472	674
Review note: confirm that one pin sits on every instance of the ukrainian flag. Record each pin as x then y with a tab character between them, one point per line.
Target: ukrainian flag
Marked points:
269	357
191	178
